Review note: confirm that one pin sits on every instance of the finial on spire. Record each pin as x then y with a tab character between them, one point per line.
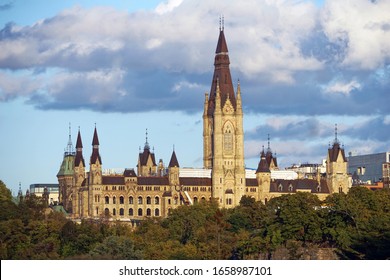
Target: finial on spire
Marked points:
69	148
146	140
336	140
221	23
269	147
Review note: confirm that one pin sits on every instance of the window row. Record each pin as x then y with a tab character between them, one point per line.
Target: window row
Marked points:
140	200
140	212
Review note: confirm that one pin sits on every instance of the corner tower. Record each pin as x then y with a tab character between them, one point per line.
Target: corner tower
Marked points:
223	136
337	168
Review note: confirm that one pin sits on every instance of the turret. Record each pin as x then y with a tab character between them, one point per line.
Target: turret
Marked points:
66	176
146	161
263	176
173	170
95	170
336	167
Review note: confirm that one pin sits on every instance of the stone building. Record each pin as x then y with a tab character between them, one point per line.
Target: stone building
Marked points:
155	189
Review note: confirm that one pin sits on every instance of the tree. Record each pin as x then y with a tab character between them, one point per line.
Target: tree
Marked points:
116	248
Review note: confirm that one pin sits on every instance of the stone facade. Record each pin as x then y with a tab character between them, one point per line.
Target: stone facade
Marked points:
156	189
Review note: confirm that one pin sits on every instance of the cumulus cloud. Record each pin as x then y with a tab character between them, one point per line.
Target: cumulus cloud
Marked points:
364	26
287	54
342	87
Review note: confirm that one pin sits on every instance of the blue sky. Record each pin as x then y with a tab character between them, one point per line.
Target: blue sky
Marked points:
130	65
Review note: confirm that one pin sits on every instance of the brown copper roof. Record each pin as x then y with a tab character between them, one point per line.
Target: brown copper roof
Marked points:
95	155
222	74
334	152
300	184
250	182
79	143
263	165
173	162
193	181
95	140
95	150
161	181
79	151
143	157
129	173
113	180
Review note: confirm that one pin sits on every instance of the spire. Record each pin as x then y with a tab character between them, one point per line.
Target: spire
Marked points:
79	151
95	141
263	164
269	146
146	147
95	150
173	162
69	148
221	72
336	140
79	143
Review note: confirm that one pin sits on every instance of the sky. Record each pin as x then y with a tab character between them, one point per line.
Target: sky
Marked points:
128	65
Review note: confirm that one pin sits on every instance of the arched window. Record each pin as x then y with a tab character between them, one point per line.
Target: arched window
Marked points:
156	212
114	211
156	200
114	200
131	212
195	200
121	200
106	199
318	188
280	187
140	200
140	212
106	212
228	138
121	212
131	200
290	188
148	212
148	200
203	199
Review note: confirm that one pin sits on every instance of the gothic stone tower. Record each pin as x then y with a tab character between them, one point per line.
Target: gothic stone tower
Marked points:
66	177
337	168
223	137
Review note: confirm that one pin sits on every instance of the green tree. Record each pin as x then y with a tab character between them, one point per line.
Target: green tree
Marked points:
116	248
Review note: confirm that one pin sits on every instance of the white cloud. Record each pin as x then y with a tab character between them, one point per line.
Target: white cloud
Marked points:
342	87
363	27
12	86
167	6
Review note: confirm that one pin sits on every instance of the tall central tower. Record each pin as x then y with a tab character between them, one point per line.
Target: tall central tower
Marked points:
223	136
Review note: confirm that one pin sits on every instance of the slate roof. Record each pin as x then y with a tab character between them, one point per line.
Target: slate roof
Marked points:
194	181
113	180
129	173
263	164
221	73
159	181
334	152
144	156
173	162
299	184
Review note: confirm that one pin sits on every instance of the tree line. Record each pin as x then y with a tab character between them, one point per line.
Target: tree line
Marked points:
297	226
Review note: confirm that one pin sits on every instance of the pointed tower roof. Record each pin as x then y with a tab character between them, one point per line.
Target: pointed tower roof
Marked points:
335	150
79	143
79	151
95	150
263	165
221	73
173	162
95	141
